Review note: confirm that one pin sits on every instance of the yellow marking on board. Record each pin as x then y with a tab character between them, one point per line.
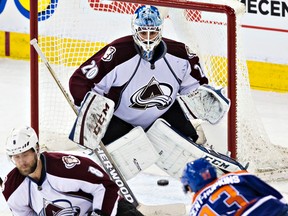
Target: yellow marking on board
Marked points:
42	4
263	75
2	42
25	4
19	48
268	76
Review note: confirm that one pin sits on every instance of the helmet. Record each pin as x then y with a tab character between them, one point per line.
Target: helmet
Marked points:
21	140
197	174
147	30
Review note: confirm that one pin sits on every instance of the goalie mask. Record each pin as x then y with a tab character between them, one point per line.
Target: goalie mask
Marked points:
147	30
21	140
197	174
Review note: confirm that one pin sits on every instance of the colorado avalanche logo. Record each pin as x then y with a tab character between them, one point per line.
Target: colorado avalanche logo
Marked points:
70	161
154	94
53	209
109	54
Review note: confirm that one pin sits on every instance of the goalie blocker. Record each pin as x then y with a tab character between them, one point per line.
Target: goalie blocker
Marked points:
93	118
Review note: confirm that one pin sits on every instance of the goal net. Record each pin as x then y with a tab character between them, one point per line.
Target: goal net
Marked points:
70	31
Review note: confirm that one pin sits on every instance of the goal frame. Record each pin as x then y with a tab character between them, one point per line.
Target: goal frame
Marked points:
231	59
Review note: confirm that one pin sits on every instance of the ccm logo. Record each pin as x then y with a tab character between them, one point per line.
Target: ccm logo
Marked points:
216	162
101	119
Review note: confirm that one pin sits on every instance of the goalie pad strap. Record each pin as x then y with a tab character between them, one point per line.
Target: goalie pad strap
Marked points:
133	152
175	151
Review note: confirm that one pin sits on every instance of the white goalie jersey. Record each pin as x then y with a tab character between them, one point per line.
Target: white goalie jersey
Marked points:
142	91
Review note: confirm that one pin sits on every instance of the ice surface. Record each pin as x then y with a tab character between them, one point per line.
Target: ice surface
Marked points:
15	103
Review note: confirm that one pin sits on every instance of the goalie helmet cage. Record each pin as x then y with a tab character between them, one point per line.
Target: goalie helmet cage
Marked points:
70	31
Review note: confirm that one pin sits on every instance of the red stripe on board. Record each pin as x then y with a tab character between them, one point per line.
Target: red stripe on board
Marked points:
7	43
265	28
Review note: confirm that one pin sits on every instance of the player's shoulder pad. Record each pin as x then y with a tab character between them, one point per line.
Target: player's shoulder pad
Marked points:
11	182
120	50
180	49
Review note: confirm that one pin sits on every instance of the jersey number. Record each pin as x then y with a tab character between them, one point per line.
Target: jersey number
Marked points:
90	71
233	197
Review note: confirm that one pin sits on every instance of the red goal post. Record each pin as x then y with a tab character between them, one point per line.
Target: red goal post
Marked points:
72	30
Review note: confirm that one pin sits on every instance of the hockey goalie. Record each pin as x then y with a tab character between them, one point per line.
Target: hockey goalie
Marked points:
158	89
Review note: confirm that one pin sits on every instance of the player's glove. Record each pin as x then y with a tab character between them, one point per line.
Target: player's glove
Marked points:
206	103
96	212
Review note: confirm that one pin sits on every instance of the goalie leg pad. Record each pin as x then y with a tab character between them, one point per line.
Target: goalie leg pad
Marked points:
175	151
133	152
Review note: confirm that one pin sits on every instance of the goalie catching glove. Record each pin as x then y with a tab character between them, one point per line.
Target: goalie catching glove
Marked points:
206	103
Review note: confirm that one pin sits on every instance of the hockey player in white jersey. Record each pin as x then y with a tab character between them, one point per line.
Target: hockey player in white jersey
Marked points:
52	183
143	73
155	83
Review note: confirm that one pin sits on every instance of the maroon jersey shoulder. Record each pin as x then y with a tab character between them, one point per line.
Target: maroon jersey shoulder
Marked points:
74	167
179	49
99	65
12	181
116	52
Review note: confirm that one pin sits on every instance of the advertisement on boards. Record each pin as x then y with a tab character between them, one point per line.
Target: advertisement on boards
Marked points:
265	27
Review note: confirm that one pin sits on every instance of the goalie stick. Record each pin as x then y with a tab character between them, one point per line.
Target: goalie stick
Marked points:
107	161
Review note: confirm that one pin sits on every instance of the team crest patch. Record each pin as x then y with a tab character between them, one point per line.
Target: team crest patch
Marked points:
109	54
59	207
70	161
190	52
154	94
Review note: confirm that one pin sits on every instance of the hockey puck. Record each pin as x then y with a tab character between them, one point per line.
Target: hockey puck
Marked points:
162	182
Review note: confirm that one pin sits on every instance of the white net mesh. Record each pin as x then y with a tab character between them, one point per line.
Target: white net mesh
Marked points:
77	29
